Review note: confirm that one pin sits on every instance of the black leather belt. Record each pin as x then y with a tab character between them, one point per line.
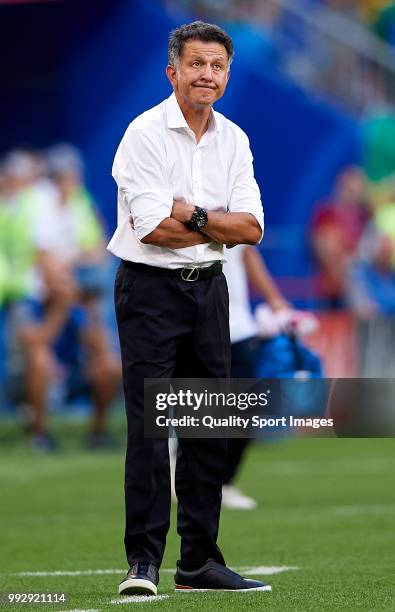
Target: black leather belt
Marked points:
188	273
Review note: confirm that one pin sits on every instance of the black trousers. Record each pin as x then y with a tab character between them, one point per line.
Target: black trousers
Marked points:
171	328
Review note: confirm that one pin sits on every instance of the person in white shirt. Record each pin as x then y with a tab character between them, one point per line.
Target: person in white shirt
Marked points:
245	266
186	189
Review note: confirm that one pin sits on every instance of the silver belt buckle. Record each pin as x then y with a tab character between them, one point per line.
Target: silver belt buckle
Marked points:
190	274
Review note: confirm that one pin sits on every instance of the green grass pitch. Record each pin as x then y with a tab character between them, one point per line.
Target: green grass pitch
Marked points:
326	507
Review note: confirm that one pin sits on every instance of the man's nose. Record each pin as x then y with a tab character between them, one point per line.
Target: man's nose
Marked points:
207	73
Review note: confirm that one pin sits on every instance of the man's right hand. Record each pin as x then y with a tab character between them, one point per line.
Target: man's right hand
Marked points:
182	211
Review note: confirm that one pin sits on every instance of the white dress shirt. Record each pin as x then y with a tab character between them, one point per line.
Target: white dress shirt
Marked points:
159	159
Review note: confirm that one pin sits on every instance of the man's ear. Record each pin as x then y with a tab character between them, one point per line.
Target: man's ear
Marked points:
228	75
171	73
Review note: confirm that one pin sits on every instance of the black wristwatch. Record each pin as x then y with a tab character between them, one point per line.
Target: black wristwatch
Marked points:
198	220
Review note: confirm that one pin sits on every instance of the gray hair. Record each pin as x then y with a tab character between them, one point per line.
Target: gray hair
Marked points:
197	30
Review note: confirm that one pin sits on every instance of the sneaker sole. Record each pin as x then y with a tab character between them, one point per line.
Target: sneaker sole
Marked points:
137	586
186	589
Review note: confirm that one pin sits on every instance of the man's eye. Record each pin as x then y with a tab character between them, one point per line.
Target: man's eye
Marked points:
196	64
217	66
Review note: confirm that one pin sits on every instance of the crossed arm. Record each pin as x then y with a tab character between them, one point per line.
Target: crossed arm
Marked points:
225	228
173	234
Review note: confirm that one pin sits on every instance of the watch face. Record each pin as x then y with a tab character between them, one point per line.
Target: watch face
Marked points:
200	218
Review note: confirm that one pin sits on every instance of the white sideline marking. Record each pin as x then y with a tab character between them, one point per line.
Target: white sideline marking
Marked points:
365	509
260	570
139	599
77	610
74	573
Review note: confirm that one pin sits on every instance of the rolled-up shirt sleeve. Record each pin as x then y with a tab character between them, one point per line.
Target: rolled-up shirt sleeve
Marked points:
245	194
139	170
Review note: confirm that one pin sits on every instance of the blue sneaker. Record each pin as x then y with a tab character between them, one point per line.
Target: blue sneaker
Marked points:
215	577
141	579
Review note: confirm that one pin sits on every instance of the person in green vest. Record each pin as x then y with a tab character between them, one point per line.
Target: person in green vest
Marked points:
67	173
89	269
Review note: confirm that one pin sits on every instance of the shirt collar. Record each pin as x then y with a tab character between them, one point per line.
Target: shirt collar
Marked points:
175	118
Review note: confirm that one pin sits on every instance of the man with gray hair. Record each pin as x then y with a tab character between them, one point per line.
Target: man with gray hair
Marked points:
186	188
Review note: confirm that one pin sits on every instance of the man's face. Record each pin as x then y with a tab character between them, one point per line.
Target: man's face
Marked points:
201	75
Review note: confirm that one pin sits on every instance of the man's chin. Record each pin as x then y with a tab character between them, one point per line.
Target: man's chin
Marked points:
204	97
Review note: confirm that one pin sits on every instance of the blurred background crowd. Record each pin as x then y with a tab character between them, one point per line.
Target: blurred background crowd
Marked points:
313	84
54	285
